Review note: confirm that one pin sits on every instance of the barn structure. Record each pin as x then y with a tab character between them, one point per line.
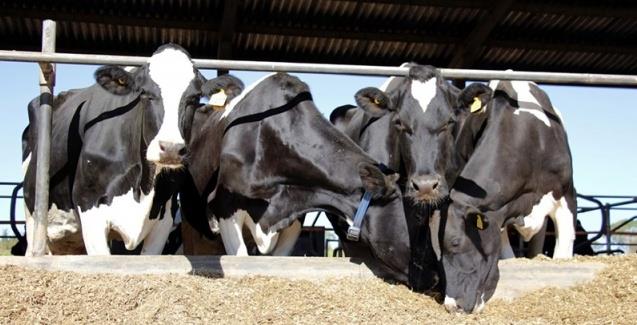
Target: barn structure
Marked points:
560	36
523	35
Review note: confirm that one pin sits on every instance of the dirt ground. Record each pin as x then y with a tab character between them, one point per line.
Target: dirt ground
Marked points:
33	296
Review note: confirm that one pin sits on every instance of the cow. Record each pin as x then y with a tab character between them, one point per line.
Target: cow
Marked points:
270	156
515	167
116	152
409	125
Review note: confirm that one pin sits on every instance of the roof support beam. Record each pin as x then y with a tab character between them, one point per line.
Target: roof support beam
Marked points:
226	32
467	53
602	10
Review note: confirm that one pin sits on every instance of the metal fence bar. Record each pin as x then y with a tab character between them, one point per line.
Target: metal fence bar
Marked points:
47	81
468	74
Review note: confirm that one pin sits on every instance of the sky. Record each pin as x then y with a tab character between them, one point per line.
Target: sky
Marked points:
601	124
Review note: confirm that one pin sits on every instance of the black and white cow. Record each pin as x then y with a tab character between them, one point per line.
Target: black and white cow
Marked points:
516	168
114	150
270	157
409	125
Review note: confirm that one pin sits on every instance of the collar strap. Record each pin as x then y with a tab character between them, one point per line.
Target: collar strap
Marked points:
301	97
354	231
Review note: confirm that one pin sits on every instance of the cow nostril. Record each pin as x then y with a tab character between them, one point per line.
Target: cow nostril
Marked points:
415	185
182	151
435	184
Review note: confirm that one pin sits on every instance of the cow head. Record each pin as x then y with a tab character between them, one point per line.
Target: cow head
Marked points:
470	251
423	120
167	84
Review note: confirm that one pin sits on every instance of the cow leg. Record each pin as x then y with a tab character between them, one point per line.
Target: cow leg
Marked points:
506	251
156	240
536	245
231	234
564	230
287	239
29	223
95	234
265	241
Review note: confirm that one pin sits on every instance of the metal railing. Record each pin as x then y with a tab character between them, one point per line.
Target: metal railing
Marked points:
607	230
468	74
12	222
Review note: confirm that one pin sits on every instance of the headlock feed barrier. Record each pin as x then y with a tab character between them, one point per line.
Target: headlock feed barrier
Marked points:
48	57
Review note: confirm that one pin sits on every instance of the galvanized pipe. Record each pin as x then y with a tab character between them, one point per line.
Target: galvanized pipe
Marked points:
467	74
47	82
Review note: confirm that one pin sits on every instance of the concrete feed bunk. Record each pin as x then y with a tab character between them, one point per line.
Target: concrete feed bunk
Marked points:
593	290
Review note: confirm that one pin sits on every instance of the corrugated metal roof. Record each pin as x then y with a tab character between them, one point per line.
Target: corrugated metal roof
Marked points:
559	35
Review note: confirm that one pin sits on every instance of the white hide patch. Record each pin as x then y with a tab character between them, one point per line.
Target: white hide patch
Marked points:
479	304
424	92
25	164
231	234
243	94
124	215
450	304
562	218
172	71
523	90
535	220
385	84
537	113
266	241
493	84
275	243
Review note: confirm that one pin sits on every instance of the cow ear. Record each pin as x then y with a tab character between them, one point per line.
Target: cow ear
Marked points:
475	98
341	113
376	182
115	80
222	89
374	101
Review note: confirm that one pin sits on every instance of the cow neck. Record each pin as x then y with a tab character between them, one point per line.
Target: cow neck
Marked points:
301	97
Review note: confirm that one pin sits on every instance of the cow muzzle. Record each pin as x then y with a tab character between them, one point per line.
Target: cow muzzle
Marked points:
427	189
171	154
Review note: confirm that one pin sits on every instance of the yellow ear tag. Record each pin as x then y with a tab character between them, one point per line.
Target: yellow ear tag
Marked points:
476	105
479	223
218	99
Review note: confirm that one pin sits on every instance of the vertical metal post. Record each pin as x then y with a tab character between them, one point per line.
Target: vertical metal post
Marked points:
47	82
607	229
